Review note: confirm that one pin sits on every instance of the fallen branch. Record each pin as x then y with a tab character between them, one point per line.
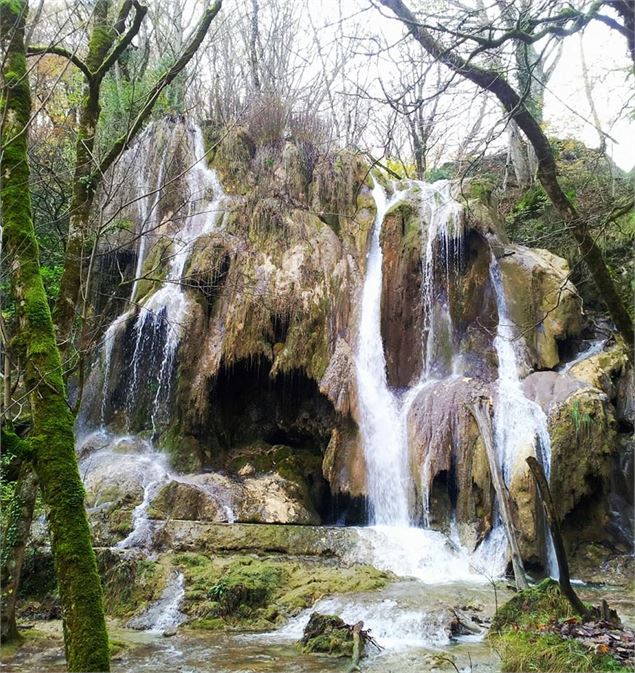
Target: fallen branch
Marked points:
552	520
480	411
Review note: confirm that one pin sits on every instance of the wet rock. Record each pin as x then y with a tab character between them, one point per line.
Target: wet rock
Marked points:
610	372
114	487
271	499
201	499
401	300
448	458
344	465
217	498
581	426
541	301
252	538
328	634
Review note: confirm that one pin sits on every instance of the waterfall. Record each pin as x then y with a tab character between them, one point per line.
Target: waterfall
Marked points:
385	450
161	316
517	419
384	414
445	229
164	615
167	308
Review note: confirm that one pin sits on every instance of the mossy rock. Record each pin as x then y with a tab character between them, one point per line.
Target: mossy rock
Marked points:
256	593
532	608
519	633
244	586
327	634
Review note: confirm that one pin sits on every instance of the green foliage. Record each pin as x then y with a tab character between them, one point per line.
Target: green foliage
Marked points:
51	276
582	420
443	172
402	170
532	608
481	187
531	203
528	651
519	633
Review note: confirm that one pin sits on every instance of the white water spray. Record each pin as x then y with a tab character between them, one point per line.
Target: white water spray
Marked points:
517	419
384	448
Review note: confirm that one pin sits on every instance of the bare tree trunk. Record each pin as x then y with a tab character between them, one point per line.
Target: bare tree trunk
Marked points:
490	80
14	541
253	46
520	160
481	413
552	519
51	440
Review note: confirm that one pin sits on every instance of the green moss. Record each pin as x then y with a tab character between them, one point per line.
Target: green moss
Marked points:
528	651
532	608
518	635
327	634
256	593
52	437
155	268
130	585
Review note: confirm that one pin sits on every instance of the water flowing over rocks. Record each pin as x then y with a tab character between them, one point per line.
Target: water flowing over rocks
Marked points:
301	342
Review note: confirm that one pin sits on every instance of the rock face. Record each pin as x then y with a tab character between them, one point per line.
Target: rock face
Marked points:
542	303
401	303
247	379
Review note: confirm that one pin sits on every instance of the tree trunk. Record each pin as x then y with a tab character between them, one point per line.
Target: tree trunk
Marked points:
51	439
520	161
552	519
14	540
481	414
492	81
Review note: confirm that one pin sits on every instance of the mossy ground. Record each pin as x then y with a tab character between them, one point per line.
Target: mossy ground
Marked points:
258	593
519	634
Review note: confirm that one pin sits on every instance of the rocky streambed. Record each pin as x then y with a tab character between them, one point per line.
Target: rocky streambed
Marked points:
236	597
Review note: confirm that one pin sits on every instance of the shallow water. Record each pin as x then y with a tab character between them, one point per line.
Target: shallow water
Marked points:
408	619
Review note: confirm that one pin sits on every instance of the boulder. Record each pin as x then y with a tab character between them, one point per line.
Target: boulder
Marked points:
610	372
582	428
266	498
541	302
448	458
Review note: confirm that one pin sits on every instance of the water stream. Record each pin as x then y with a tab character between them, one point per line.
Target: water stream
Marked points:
517	420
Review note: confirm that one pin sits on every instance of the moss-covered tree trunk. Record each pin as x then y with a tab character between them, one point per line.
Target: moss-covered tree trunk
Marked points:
14	540
51	439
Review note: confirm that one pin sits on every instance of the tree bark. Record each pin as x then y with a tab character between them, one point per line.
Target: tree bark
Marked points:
493	81
51	438
14	540
481	413
552	520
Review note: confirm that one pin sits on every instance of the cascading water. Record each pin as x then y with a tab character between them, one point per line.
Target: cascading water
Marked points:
445	229
165	311
164	615
394	543
517	419
161	315
385	451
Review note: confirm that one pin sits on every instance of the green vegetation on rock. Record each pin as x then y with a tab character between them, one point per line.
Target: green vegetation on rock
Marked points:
520	634
256	593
